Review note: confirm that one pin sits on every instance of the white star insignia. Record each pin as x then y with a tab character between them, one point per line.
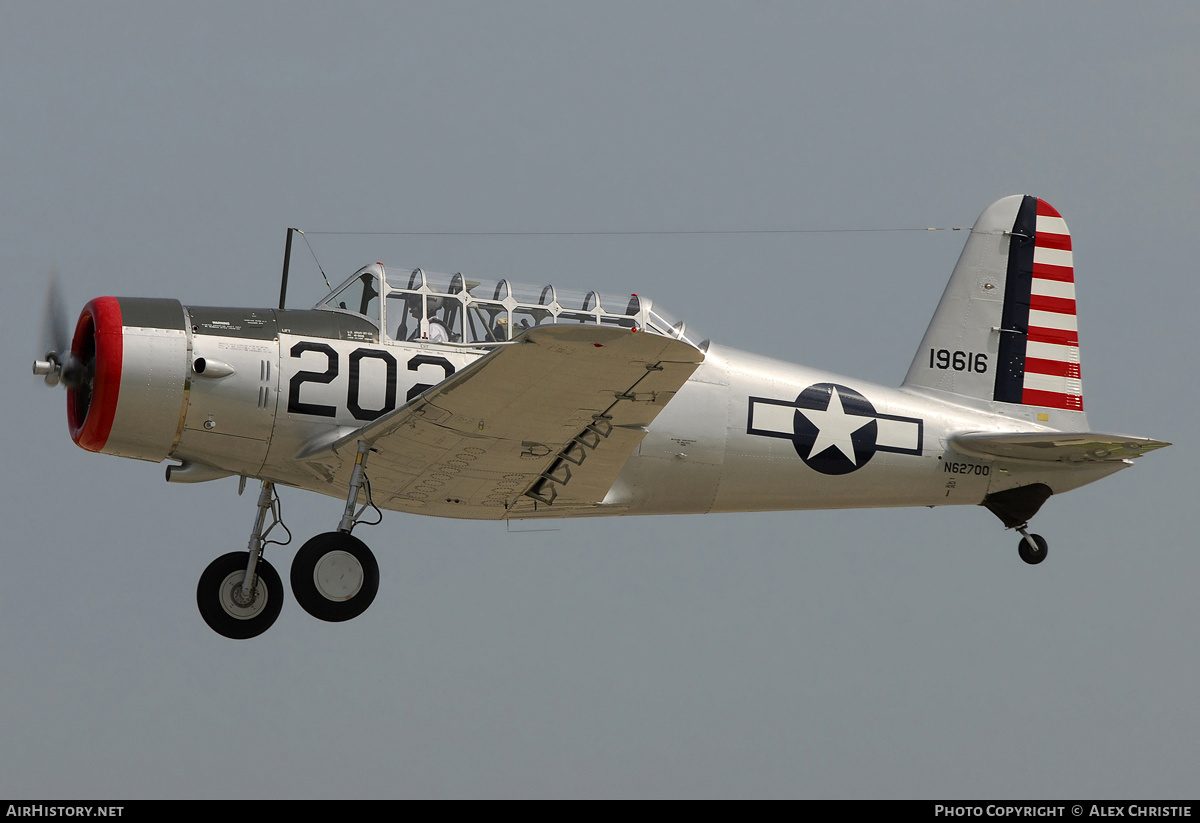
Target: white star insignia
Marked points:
835	428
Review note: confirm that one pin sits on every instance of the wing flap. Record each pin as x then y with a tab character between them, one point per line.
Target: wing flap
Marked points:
1054	447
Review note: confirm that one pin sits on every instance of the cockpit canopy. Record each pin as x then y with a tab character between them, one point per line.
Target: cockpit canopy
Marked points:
449	308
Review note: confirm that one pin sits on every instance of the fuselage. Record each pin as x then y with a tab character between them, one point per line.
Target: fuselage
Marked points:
745	433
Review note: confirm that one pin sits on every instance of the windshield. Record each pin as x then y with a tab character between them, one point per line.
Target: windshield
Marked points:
359	294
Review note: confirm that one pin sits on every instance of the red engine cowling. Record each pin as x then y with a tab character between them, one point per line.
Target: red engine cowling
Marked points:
134	353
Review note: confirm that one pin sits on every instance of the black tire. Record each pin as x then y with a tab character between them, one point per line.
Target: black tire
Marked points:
335	577
1028	554
220	610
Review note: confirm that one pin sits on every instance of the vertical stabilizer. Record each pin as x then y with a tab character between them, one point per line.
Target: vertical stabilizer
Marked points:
1005	330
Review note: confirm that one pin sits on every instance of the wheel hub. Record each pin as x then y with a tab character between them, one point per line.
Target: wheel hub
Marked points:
338	576
239	604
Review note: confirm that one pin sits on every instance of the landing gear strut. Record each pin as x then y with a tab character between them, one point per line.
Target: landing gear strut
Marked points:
240	594
334	575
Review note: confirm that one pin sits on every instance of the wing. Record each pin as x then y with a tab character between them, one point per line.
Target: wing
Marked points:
1054	447
542	426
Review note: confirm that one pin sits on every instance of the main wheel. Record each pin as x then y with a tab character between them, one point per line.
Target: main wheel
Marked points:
1028	554
335	577
230	611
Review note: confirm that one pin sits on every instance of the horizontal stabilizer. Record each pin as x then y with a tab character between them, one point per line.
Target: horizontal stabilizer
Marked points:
1054	447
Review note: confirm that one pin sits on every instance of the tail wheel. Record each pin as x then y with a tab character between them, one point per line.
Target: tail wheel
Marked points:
231	611
1030	554
335	577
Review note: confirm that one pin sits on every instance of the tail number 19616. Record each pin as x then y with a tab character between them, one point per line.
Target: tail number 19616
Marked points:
958	360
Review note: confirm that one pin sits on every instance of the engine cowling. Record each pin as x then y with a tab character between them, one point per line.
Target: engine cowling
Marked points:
131	400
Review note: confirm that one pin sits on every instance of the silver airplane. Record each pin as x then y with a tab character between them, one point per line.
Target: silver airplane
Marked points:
442	395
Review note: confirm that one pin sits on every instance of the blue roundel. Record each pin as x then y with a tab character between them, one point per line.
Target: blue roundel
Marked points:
835	428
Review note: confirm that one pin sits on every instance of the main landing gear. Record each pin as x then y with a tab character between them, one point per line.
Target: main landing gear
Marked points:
240	594
233	609
334	575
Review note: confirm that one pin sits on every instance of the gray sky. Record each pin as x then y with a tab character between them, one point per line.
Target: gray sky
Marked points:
162	150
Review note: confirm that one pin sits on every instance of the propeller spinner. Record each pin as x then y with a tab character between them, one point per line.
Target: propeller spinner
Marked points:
61	364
